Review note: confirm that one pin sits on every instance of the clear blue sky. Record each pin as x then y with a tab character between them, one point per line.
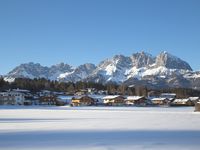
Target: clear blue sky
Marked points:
80	31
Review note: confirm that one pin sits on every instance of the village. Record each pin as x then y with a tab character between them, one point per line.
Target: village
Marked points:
91	97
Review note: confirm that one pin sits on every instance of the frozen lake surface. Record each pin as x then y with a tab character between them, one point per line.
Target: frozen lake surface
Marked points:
99	128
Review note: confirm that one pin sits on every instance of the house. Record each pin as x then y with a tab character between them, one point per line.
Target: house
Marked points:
114	100
160	101
182	102
6	99
136	100
48	100
28	97
82	101
11	98
98	99
65	99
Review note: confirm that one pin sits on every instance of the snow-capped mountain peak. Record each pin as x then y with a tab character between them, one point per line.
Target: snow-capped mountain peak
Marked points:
140	68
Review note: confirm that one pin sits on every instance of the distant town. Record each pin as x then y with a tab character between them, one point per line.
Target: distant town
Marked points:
90	97
91	94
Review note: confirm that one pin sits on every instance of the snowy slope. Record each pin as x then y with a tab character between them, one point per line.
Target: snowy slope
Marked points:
78	74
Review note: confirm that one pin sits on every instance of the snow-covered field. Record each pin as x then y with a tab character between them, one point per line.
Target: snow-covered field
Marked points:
99	128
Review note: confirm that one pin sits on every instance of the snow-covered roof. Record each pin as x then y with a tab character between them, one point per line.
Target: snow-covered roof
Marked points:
81	96
65	97
193	98
168	94
97	96
133	97
20	90
159	99
111	96
182	100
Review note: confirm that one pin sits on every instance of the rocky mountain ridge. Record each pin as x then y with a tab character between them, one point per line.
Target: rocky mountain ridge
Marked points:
164	70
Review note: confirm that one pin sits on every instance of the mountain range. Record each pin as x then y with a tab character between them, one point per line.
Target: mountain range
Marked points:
163	71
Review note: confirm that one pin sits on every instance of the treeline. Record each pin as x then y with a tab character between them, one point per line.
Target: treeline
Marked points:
35	85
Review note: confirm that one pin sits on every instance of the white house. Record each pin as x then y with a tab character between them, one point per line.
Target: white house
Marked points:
11	98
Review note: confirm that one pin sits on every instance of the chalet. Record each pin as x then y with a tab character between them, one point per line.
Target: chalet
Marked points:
82	101
136	100
11	98
182	102
114	100
159	101
48	100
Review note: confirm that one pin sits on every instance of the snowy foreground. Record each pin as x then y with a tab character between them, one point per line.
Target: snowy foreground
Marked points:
99	128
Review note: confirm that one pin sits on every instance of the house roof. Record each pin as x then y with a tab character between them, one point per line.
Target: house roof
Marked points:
79	97
97	96
182	100
159	99
134	97
111	96
63	97
21	90
168	94
193	98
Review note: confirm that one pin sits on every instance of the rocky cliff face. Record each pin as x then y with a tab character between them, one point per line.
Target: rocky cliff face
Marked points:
171	62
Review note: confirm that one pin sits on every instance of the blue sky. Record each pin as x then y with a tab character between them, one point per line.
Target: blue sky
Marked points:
80	31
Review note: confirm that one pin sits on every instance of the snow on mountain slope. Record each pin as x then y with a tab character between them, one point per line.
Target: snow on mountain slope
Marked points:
79	73
32	70
140	66
113	69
